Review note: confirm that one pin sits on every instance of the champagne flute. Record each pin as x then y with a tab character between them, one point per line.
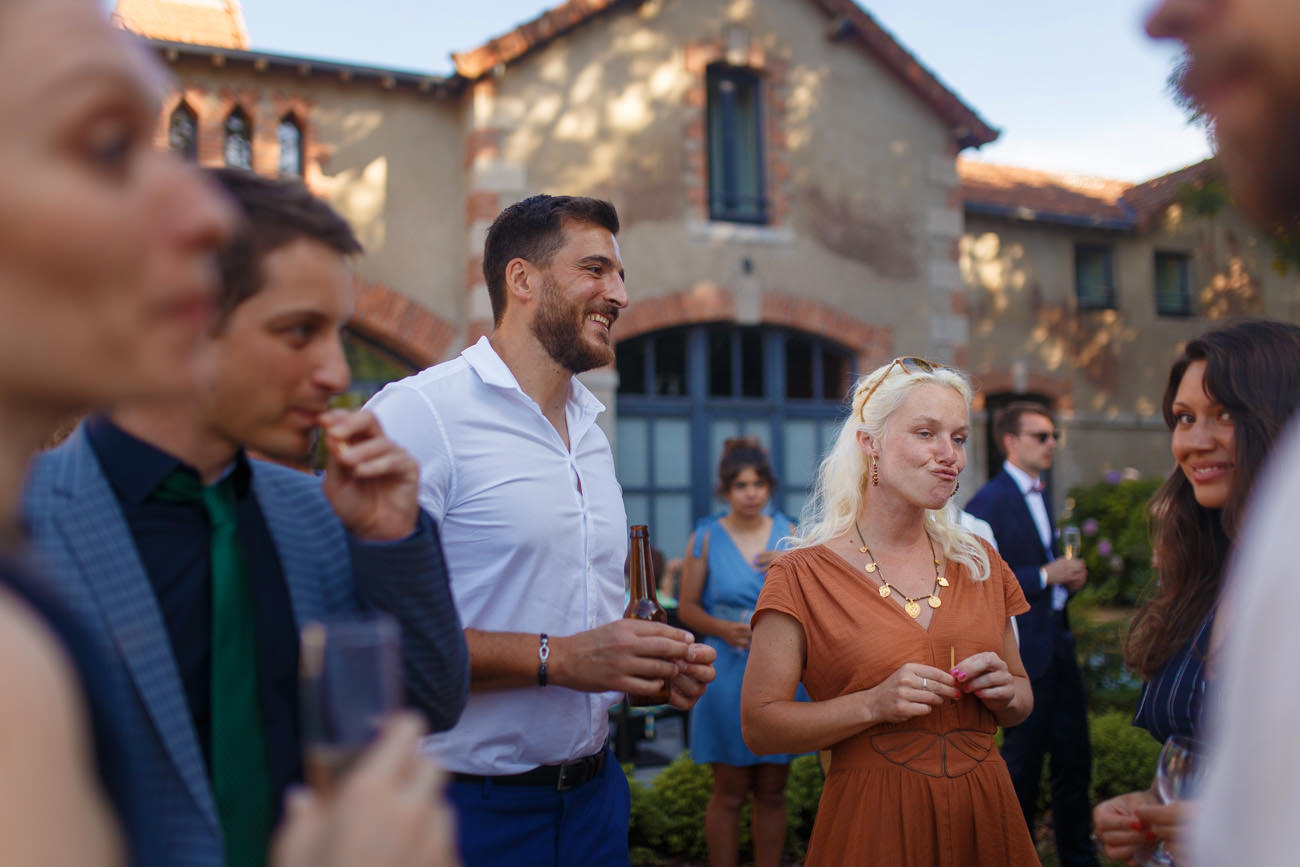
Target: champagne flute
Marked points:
1178	773
1070	541
350	681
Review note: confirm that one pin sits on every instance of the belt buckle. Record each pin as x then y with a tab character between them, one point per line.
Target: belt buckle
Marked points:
566	779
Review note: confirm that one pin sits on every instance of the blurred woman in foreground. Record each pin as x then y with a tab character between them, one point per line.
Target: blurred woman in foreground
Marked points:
1229	394
106	282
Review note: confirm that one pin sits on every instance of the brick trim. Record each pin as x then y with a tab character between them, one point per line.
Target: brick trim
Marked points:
400	324
705	302
1001	380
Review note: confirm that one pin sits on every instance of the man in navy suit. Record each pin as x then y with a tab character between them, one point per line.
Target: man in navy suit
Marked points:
135	560
1014	504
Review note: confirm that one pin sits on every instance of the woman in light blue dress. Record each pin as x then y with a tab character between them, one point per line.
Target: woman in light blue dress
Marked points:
726	559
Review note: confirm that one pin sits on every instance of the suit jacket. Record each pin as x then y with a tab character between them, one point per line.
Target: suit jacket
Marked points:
84	546
1001	503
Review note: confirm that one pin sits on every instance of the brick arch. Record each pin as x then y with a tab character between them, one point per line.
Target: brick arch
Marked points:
708	302
401	325
1002	380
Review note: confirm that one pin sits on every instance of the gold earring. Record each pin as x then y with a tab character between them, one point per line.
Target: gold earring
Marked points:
875	474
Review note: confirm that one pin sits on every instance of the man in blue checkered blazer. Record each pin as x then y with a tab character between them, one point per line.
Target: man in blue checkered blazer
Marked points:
135	566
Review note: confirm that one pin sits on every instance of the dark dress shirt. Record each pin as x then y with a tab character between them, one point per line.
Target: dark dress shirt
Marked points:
1172	701
174	542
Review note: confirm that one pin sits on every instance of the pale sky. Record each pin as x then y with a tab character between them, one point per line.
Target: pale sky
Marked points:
1074	86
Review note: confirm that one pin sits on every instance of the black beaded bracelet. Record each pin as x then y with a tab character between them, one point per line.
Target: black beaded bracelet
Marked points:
543	654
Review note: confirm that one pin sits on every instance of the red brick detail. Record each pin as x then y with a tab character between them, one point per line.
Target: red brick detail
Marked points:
698	57
705	302
872	344
484	144
481	205
400	324
473	272
1002	381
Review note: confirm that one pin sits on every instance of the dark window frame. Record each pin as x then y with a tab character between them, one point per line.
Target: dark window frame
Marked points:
1183	308
230	135
1106	298
190	149
291	120
728	199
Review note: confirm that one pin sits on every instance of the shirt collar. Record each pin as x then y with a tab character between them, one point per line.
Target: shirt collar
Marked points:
134	467
1023	480
493	371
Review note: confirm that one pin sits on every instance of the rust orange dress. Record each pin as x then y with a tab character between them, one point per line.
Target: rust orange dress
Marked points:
933	790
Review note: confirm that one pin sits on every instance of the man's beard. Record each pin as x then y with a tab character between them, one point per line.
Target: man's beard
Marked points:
559	326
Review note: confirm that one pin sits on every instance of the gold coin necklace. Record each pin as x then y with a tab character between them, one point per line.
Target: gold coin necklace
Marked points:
911	604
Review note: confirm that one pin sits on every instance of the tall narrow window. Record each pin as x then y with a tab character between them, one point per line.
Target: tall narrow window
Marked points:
183	132
239	139
735	130
1173	292
289	132
1094	277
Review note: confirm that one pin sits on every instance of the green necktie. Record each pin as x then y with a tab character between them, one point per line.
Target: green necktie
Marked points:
241	779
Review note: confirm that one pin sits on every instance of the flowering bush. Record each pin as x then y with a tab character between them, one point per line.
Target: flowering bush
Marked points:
1112	518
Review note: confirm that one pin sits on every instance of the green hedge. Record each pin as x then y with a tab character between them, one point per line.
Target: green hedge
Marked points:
668	815
1116	546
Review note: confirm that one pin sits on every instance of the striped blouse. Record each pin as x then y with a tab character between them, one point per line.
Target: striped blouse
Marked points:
1172	701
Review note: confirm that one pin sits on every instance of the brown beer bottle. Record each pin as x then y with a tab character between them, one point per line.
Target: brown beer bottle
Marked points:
644	603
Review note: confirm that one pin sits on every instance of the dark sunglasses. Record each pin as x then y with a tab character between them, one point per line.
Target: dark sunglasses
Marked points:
1042	435
906	363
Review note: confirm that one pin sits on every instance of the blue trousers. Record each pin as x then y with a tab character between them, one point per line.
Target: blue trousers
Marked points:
536	826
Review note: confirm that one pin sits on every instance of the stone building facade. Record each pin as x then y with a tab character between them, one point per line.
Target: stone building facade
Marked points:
793	214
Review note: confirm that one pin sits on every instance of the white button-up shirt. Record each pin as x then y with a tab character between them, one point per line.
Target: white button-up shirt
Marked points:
534	534
1038	511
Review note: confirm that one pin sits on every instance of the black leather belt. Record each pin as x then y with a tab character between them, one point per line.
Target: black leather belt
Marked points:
561	777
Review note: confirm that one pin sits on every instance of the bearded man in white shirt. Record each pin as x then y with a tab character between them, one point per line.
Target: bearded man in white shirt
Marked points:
521	480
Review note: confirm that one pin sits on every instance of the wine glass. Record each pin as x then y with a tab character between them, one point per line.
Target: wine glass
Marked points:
350	681
1178	773
1070	541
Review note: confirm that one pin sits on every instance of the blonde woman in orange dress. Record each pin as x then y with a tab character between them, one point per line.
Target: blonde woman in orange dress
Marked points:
897	621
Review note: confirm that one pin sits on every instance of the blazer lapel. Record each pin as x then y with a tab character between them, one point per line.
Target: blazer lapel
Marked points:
95	532
1020	505
292	534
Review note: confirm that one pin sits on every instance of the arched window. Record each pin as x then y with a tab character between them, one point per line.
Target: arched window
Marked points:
683	391
289	133
238	139
183	132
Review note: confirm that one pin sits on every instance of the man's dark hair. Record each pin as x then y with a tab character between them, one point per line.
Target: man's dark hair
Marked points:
533	229
1007	422
273	212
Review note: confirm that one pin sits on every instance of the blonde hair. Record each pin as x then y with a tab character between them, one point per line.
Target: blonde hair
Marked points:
842	476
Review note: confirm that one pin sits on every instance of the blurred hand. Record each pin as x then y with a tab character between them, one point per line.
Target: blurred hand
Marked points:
764	559
911	691
372	483
633	656
1166	821
1071	574
1124	837
737	634
386	812
694	674
986	675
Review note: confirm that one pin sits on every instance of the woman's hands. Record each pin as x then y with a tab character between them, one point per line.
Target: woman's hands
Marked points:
988	677
912	691
737	634
1124	837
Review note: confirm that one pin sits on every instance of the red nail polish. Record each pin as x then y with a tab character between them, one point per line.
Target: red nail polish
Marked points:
961	675
1138	826
1151	837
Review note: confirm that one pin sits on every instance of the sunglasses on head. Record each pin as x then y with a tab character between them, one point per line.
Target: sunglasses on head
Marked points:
908	364
1042	435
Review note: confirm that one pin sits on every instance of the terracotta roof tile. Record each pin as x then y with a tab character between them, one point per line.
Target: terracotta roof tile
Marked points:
218	23
1030	194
